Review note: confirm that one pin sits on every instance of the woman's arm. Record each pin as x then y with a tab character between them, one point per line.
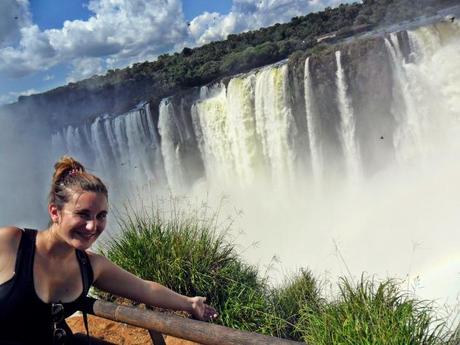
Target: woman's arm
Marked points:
115	280
9	243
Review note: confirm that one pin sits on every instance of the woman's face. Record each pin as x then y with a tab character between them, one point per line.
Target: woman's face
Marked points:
82	219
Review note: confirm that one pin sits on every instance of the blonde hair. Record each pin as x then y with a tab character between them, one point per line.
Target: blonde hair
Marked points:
70	176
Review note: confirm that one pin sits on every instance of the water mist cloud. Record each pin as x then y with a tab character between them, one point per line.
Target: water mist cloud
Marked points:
25	171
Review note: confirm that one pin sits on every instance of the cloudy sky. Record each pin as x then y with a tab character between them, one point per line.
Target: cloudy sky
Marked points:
48	43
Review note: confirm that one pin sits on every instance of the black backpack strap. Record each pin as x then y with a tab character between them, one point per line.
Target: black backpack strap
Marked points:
87	278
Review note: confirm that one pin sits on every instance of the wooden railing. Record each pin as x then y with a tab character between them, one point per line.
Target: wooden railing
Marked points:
163	323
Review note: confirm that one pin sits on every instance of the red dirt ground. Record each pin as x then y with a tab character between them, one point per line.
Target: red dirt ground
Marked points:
117	333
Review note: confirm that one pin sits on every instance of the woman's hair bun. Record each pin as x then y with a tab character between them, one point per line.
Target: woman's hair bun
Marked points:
64	167
70	175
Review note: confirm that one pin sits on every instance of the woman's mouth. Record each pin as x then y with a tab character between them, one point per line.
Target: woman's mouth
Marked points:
85	236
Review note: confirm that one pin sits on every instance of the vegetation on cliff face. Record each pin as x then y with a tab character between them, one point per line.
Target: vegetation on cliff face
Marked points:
239	53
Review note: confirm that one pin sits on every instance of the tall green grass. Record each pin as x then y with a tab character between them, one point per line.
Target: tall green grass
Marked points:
189	252
371	312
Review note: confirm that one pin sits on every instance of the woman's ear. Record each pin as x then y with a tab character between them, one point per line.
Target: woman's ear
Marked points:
54	213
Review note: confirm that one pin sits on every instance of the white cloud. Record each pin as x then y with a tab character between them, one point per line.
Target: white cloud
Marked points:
123	31
14	15
85	68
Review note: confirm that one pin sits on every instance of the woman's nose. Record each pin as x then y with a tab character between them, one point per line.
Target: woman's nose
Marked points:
91	224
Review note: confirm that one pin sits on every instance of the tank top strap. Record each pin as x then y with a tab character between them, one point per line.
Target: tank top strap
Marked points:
85	269
25	255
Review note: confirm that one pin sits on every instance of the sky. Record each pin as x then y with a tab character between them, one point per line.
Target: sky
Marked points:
49	43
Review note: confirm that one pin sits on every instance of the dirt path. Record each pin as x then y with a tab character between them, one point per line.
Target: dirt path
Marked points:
117	333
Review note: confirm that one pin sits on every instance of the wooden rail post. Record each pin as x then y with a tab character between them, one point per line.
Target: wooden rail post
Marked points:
197	331
157	338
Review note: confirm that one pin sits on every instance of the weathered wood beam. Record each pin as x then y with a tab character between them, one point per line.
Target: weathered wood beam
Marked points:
201	332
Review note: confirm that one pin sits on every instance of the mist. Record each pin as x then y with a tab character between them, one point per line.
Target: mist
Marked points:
25	171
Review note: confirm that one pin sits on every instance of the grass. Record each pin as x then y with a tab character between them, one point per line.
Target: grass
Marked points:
188	251
371	312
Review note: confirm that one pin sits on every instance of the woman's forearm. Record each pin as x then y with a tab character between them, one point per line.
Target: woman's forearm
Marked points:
160	296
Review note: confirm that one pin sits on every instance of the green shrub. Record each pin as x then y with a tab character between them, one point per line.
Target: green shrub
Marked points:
296	293
187	252
371	313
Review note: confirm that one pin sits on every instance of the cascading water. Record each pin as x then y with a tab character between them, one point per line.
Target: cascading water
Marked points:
315	149
245	129
275	124
211	125
168	131
403	219
347	125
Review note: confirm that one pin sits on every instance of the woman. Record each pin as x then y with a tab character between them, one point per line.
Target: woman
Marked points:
45	275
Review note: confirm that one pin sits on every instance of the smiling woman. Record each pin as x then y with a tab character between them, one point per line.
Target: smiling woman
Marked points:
45	275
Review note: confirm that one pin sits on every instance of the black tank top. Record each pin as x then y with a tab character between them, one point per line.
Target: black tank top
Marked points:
24	317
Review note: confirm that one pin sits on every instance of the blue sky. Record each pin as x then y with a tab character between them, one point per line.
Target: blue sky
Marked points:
48	43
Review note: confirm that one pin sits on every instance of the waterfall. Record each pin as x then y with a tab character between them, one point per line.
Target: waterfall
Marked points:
347	125
242	129
408	137
170	150
123	150
211	125
315	148
425	91
275	123
245	129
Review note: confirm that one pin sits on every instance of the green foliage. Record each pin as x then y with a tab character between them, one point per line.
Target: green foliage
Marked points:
187	251
371	313
289	300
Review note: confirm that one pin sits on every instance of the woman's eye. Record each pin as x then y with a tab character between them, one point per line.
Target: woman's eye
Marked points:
102	216
84	216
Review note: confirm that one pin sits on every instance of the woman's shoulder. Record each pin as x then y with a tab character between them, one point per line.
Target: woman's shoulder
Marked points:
10	234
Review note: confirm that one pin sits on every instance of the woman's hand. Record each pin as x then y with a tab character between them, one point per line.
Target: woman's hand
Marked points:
201	310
